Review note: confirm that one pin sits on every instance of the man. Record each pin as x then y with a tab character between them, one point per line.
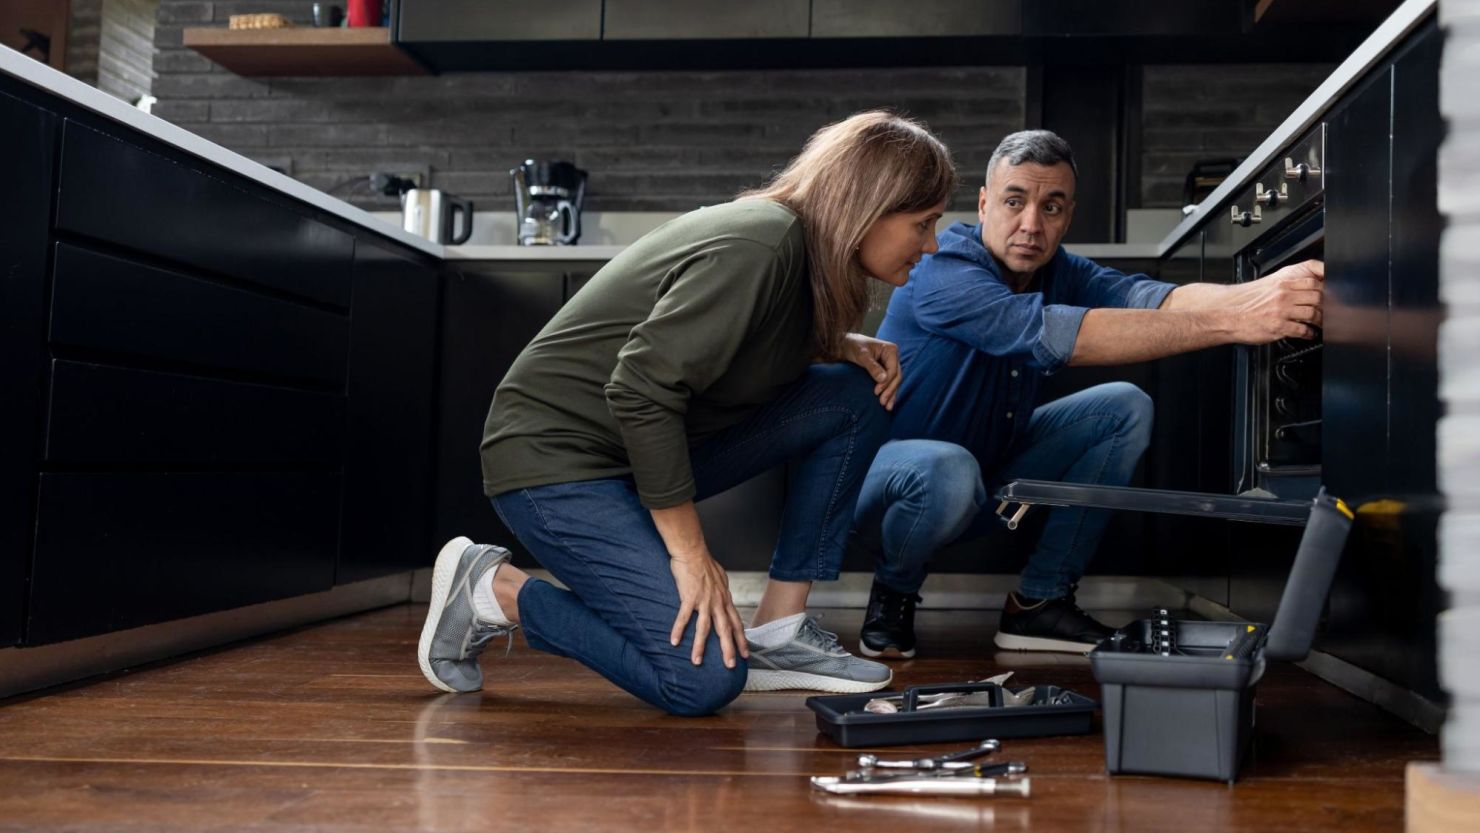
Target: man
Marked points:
980	321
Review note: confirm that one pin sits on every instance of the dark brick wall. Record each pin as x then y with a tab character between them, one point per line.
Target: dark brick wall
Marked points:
1211	111
664	141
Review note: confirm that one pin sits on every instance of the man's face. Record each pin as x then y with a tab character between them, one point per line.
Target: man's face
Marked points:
1025	211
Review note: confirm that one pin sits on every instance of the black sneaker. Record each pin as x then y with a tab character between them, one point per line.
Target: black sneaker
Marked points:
889	624
1049	625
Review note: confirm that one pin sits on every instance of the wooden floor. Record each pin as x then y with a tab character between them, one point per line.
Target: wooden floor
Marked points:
332	728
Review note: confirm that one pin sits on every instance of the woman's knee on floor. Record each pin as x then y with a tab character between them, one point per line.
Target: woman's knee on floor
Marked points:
700	690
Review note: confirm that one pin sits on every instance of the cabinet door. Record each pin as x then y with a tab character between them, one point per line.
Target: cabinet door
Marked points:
1354	402
488	316
388	465
497	20
706	19
924	18
25	205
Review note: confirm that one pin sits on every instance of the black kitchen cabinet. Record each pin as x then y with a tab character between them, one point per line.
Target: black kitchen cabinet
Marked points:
389	468
489	313
216	395
430	21
923	18
705	19
121	193
28	140
117	550
1386	597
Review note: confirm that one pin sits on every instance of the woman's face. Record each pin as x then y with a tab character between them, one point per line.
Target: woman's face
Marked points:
896	242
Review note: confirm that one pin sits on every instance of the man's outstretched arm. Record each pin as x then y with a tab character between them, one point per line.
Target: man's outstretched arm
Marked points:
1284	304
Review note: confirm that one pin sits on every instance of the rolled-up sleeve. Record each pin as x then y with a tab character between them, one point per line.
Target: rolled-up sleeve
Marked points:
962	300
1094	285
699	323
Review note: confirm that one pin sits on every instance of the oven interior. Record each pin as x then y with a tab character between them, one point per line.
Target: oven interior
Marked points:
1280	412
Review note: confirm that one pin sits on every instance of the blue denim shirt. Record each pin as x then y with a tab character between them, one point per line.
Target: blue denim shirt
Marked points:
973	351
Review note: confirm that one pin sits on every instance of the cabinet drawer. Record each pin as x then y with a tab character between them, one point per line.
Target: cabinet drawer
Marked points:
117	551
109	303
111	190
111	415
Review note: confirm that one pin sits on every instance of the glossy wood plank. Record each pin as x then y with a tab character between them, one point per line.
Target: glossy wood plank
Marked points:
332	728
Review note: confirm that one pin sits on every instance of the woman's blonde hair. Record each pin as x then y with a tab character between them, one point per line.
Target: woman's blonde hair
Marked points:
848	176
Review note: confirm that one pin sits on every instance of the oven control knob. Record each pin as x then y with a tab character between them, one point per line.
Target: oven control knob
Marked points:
1270	198
1299	172
1247	218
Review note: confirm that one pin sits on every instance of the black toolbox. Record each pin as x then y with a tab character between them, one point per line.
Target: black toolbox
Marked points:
1178	696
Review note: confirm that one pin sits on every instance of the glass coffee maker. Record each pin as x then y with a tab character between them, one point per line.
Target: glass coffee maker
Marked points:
547	199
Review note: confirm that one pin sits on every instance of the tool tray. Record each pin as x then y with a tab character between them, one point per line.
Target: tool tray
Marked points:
842	718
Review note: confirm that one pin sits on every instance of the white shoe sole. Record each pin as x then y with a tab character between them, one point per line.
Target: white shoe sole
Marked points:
1012	642
763	680
447	561
888	653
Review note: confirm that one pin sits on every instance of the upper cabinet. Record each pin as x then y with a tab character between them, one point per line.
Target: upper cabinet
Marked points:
705	19
922	19
448	35
454	21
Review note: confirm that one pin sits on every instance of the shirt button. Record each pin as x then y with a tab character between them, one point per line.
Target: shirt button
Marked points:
1009	414
1014	374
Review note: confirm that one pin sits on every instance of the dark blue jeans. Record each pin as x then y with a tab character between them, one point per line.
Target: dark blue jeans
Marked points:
599	541
921	495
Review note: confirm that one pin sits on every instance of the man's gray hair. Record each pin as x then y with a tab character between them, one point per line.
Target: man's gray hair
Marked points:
1041	147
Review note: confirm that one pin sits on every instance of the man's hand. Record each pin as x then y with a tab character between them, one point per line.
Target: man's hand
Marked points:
704	589
880	359
1284	304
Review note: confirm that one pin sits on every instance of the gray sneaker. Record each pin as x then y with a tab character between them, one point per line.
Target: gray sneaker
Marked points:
453	636
813	660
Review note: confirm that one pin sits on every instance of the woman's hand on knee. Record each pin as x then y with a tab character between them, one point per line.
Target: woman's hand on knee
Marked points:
881	360
704	591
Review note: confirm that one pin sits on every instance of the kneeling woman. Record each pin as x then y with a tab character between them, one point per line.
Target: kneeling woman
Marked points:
685	367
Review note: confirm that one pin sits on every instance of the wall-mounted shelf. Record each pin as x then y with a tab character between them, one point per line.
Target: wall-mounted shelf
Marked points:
305	51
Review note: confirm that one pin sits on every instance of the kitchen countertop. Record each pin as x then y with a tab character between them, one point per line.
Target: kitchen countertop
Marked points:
30	71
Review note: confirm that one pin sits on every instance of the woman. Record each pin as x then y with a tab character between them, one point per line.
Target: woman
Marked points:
684	367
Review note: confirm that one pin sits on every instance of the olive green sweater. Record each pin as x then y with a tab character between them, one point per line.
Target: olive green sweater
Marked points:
682	335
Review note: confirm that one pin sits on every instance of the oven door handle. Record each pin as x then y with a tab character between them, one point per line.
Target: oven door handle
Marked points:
1025	493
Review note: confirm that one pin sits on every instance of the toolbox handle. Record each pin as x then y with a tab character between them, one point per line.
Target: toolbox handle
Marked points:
1295	620
914	692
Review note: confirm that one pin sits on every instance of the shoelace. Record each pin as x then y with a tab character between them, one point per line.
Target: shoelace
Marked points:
484	633
813	634
895	607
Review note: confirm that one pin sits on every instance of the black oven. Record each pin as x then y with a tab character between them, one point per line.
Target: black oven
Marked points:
1277	398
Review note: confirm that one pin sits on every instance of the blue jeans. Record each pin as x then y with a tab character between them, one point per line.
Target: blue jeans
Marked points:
599	541
921	495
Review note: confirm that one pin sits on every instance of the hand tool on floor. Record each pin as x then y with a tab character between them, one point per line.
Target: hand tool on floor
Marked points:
1017	787
989	771
950	760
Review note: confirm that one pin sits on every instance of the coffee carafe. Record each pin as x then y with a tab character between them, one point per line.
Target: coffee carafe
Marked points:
548	198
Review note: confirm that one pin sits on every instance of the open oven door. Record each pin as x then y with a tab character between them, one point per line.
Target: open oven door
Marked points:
1017	497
